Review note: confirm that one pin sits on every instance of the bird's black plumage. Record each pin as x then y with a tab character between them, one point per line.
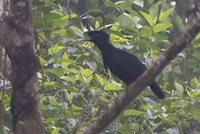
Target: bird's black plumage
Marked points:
122	64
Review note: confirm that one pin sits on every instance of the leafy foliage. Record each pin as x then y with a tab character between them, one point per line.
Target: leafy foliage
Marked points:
75	89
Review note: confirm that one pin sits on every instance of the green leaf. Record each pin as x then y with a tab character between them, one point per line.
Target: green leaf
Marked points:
145	32
127	22
195	114
133	112
57	71
154	10
42	60
100	79
65	61
87	72
49	83
76	110
54	19
161	27
165	123
195	95
70	16
179	89
166	13
55	131
124	129
74	32
148	18
195	83
97	25
112	87
108	3
179	23
180	104
87	75
55	49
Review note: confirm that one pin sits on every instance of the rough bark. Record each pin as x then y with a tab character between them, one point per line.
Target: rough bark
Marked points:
16	36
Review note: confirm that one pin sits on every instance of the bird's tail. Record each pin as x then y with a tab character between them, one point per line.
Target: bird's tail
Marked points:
157	90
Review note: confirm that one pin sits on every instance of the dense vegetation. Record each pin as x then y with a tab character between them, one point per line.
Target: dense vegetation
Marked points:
75	88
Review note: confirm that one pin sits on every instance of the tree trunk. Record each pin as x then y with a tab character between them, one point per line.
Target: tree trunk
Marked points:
16	36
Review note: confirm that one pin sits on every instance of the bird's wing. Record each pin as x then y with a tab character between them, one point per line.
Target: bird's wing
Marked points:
127	61
126	66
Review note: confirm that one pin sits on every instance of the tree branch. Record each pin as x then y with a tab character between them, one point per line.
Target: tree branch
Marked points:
148	76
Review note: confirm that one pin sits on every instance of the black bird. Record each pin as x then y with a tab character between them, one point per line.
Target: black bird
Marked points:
122	64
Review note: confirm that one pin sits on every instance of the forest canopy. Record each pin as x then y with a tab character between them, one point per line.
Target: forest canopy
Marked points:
76	89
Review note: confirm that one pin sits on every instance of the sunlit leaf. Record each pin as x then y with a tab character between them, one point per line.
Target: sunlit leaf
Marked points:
70	16
110	86
49	83
55	131
133	112
42	60
100	79
148	18
97	25
195	95
65	61
87	72
161	27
